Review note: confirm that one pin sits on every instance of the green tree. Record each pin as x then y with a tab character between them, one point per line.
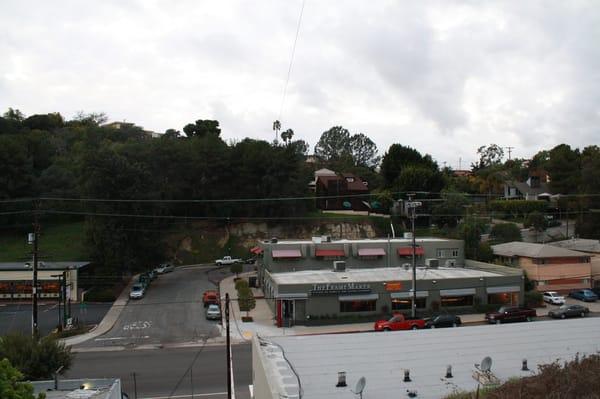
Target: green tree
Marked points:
536	220
470	231
47	122
276	128
450	210
364	151
333	144
343	151
564	169
488	156
505	232
287	135
398	157
11	386
36	359
202	128
589	226
236	268
246	300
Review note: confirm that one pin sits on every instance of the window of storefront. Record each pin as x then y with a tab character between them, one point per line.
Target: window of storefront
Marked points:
504	298
358	306
406	303
463	300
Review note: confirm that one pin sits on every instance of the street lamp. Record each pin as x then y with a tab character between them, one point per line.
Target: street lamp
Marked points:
412	209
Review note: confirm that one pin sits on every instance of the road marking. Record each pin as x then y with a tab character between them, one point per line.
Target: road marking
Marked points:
50	308
186	396
138	325
118	338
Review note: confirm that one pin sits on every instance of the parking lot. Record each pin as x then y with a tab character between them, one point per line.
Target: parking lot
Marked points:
170	312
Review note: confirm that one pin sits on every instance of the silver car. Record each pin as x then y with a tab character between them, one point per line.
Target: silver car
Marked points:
137	291
213	312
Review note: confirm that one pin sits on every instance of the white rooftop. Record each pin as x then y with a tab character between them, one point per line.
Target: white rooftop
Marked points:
578	244
382	357
376	274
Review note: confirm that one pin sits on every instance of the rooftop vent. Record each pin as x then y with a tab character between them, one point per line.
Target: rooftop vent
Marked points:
406	266
339	266
325	238
432	263
341	379
274	240
408	234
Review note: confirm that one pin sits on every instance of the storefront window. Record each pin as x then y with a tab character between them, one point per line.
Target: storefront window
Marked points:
504	298
406	303
357	306
466	300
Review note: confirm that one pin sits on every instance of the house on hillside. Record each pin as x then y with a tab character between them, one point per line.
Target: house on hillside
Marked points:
549	267
343	191
590	247
129	125
534	188
312	186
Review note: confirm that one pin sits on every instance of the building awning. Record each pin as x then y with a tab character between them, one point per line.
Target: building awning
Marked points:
362	297
371	252
299	295
458	292
407	251
287	253
408	294
256	250
330	252
503	289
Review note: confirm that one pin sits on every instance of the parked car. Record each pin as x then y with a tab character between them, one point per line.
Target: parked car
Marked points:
596	290
213	312
553	298
164	268
210	297
144	280
569	311
584	295
250	261
137	291
442	320
152	274
510	313
399	322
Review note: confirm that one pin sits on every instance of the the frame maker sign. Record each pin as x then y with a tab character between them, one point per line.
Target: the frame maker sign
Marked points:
343	288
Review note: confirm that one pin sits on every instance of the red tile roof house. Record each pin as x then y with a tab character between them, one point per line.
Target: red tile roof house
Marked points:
346	190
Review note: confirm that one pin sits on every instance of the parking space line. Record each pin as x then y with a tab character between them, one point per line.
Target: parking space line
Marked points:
187	396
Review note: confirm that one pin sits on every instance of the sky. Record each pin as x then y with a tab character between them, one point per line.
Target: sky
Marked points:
444	77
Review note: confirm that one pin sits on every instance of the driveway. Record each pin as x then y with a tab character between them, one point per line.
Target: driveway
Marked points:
171	312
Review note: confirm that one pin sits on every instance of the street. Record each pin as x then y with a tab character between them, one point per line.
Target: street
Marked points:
164	372
17	317
170	312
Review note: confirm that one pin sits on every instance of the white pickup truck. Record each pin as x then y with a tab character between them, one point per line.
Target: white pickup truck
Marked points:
227	260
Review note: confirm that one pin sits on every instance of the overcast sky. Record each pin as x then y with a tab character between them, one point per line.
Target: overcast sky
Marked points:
444	77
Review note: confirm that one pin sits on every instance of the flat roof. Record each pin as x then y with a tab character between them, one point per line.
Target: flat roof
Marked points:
533	250
382	357
376	275
95	388
578	244
42	265
407	241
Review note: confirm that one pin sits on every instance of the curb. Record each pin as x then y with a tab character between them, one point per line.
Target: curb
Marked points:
109	320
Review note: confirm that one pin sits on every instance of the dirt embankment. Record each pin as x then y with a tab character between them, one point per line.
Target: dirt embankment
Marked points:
205	242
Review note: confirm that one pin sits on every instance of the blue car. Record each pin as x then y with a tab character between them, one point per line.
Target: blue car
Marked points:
584	295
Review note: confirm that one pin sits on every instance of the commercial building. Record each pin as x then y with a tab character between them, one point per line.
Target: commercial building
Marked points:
16	279
99	388
551	268
282	367
371	277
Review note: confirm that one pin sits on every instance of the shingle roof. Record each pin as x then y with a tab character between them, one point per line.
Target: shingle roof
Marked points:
524	188
579	244
532	250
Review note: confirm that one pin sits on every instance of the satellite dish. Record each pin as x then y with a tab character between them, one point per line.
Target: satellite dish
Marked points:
486	364
360	386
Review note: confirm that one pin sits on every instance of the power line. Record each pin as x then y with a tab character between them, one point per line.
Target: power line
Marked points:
287	80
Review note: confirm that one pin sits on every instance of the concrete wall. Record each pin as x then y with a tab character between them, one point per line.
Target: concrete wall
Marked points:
260	381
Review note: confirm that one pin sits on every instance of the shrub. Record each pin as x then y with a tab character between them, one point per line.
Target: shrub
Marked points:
518	208
35	359
236	268
10	385
240	284
505	232
533	298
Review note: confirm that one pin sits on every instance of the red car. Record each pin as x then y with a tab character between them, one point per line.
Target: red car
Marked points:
399	322
510	313
210	297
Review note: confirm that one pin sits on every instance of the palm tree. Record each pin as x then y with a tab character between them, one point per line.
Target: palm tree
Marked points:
286	136
276	128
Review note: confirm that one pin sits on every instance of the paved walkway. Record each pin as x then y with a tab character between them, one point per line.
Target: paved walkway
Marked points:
263	322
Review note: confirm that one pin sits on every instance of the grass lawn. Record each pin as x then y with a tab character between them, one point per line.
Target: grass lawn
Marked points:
58	242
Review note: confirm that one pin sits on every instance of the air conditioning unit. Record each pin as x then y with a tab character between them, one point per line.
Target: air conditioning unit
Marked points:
339	266
407	235
406	266
325	238
450	263
274	240
432	263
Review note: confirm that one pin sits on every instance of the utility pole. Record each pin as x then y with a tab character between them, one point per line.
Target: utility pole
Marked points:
412	208
59	277
228	349
34	282
510	151
64	295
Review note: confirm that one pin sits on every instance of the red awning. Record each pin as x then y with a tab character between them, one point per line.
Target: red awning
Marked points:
287	253
256	250
371	252
330	252
407	251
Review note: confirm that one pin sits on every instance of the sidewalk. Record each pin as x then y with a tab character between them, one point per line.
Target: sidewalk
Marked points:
107	322
264	324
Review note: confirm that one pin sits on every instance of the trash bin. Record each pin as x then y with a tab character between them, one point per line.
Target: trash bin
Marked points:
252	281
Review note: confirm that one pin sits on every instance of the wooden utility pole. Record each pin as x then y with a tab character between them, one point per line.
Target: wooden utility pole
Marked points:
34	282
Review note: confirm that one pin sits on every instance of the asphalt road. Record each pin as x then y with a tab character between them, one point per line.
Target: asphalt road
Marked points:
17	317
165	372
171	312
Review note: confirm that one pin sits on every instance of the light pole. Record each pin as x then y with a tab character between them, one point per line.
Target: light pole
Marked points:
412	209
